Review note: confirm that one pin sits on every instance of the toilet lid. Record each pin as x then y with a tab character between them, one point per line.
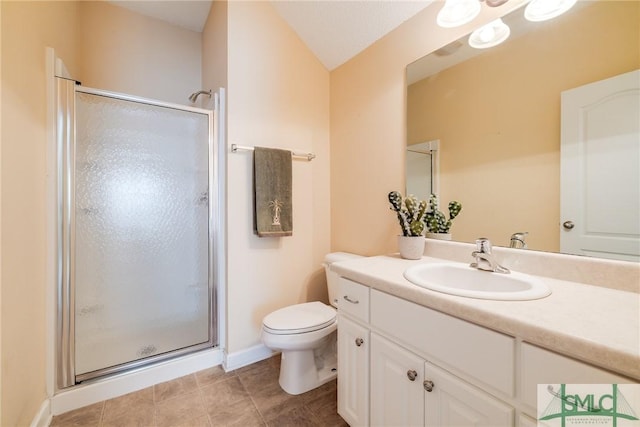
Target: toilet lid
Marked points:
300	318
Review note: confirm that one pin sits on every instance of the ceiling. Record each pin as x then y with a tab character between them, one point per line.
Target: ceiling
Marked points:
334	30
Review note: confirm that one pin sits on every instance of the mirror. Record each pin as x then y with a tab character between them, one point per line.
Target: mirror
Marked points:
496	114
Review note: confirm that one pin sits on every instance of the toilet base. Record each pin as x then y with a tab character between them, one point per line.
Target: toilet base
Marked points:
301	371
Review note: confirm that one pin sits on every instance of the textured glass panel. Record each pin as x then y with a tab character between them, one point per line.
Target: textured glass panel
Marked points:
419	174
141	230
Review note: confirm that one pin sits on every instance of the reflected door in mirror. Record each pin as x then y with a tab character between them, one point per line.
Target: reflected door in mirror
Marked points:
600	169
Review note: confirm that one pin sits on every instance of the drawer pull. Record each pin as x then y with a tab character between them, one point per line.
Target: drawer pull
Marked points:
412	375
359	341
352	301
428	385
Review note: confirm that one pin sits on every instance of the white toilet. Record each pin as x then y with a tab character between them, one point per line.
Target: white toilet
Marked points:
306	336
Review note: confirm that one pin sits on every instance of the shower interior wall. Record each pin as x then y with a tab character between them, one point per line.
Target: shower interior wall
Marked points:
287	106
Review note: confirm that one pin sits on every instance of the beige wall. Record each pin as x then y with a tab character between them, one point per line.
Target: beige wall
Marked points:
497	117
368	130
214	76
278	96
0	216
27	28
215	47
126	52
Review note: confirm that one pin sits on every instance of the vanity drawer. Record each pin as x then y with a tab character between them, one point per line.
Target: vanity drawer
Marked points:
541	366
353	299
473	350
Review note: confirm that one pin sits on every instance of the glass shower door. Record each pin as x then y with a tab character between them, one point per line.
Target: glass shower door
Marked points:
140	215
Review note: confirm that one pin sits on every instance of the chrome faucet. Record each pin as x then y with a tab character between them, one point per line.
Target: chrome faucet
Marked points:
484	258
517	240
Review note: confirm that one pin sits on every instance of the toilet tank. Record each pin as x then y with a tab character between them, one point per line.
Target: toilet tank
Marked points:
332	277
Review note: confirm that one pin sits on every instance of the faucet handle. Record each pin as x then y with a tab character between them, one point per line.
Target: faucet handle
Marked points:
517	240
483	245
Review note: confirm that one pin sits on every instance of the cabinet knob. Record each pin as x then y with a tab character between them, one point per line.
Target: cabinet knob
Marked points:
428	385
412	375
359	341
568	225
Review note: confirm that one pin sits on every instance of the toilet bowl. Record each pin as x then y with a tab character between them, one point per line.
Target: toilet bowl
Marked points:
306	335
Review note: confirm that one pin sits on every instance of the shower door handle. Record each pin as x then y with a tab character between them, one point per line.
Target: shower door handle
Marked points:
203	200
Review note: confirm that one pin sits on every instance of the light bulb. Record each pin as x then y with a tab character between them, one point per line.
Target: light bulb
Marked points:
542	10
455	13
492	34
486	34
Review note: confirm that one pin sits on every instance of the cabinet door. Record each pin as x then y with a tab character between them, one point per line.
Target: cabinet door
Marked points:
353	372
453	402
540	366
396	385
526	421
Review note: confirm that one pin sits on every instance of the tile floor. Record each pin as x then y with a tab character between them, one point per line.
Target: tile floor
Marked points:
249	396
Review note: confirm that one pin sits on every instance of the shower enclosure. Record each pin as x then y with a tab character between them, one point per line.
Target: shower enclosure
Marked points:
136	212
421	163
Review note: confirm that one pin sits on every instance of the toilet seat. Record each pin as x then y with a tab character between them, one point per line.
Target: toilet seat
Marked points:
300	318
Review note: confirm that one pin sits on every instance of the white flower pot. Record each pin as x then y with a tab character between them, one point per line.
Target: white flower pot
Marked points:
411	247
438	236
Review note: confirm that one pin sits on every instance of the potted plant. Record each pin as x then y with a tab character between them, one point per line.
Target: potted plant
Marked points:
411	216
438	226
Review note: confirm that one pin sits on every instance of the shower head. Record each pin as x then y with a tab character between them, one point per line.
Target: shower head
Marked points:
194	96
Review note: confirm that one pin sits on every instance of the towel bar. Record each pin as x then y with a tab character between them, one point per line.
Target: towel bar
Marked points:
307	156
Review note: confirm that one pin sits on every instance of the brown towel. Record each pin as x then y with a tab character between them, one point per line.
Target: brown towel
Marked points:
273	215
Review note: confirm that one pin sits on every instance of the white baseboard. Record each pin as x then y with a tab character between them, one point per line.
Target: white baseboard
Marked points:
43	417
87	394
246	357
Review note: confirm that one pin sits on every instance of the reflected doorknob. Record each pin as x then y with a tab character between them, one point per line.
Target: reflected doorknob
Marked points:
568	225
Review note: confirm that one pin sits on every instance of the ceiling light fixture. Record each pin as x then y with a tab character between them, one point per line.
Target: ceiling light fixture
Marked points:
455	13
541	10
490	35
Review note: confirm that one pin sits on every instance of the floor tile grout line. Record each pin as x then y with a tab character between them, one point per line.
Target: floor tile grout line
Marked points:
253	402
264	421
202	405
101	420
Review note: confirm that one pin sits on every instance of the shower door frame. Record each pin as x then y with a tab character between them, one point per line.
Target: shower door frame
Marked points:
66	90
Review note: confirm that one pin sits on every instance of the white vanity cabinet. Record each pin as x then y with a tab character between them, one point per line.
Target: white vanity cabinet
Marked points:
408	389
382	383
401	363
461	347
540	366
353	352
396	385
353	366
454	402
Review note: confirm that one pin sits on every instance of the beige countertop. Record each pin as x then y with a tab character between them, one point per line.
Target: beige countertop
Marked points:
595	324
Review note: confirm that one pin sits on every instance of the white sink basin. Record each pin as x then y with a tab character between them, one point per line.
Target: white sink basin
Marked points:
465	281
